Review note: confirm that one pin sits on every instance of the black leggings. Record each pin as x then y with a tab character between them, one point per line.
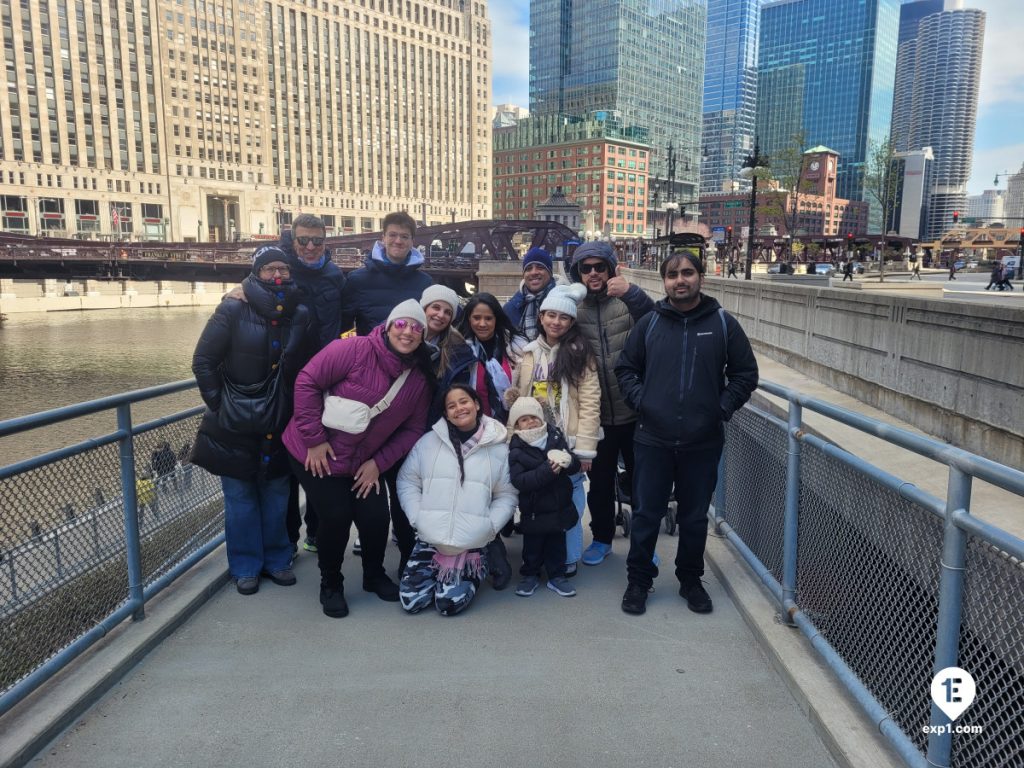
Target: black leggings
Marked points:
337	507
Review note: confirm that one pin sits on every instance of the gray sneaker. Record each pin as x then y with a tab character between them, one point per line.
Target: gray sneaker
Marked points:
560	585
248	585
527	586
284	578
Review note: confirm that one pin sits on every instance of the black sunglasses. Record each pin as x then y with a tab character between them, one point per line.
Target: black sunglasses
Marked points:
601	267
304	241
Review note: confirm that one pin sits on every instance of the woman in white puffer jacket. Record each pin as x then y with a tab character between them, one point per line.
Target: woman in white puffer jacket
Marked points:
455	489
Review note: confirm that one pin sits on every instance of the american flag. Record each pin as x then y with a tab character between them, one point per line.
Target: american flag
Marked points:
115	216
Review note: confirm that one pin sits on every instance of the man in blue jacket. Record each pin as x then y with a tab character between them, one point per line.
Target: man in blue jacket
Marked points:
686	367
390	275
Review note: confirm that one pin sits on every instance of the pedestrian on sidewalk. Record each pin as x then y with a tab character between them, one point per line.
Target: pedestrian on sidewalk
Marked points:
671	374
541	465
732	269
610	310
456	491
916	271
995	277
559	370
848	270
952	270
1005	274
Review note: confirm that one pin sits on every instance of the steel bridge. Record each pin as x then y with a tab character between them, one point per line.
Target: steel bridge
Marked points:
451	252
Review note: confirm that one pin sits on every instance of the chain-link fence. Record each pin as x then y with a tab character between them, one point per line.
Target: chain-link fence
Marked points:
870	575
64	543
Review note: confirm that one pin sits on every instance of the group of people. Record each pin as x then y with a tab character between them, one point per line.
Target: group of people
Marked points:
1000	277
441	420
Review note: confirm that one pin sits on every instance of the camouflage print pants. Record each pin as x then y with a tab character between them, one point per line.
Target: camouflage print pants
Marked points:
420	587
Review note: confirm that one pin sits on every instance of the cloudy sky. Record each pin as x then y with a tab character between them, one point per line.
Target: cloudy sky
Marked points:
999	139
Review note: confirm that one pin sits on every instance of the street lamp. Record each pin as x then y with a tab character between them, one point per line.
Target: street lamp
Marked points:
754	166
670	208
199	231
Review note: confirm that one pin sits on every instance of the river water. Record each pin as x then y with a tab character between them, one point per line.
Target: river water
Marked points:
58	358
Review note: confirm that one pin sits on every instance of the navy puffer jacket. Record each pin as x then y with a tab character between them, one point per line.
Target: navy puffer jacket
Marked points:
244	340
379	286
320	289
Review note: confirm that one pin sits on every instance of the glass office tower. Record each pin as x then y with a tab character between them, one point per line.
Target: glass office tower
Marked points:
827	69
730	92
642	61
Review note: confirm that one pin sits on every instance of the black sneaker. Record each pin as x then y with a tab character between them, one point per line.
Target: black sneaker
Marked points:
635	599
333	601
498	565
383	587
696	597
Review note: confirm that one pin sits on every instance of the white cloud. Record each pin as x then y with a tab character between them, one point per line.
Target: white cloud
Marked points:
510	46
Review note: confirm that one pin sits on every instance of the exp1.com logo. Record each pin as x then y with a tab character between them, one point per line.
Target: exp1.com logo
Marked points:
953	691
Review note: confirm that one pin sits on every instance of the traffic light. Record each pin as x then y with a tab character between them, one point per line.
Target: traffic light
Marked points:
728	234
849	238
956	215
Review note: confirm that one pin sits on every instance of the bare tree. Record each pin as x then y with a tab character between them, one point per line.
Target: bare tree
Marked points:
787	166
881	184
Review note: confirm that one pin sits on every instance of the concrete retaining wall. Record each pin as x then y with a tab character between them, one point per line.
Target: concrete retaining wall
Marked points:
953	369
18	296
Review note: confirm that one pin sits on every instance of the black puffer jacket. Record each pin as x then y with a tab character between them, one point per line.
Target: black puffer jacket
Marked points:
244	340
685	374
545	499
379	286
320	290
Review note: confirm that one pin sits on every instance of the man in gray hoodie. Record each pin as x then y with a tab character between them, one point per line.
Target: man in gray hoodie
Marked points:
606	316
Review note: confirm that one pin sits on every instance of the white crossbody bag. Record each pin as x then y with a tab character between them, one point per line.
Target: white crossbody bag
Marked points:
354	417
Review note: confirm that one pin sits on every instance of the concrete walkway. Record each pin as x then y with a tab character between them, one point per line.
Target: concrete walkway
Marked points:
540	681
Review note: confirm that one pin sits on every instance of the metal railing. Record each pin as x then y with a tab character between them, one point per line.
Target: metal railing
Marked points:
92	531
889	583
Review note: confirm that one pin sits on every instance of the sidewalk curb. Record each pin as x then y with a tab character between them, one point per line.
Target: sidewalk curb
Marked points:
845	730
44	715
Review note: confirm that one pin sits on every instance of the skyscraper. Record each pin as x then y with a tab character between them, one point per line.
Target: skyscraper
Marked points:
730	91
826	70
910	16
644	62
942	105
177	120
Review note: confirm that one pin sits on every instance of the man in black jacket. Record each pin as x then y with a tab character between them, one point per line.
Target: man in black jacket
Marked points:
686	368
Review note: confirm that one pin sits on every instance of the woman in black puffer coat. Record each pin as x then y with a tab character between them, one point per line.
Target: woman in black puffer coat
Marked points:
247	344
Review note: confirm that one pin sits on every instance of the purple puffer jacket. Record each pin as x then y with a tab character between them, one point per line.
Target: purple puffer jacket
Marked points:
360	368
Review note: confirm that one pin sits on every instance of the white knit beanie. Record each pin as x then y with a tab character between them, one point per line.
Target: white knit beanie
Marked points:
409	308
564	299
524	406
443	293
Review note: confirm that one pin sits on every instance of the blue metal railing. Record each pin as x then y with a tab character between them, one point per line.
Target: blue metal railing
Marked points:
957	527
50	566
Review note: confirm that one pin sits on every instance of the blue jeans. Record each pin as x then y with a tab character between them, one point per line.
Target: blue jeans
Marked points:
574	536
255	535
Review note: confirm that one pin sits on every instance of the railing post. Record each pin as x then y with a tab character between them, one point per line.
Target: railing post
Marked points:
131	510
790	523
951	588
720	487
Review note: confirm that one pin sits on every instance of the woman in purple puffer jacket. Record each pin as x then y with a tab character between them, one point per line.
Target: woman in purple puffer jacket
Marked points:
339	471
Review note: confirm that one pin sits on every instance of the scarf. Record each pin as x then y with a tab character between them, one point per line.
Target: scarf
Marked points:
532	304
451	568
537	437
495	372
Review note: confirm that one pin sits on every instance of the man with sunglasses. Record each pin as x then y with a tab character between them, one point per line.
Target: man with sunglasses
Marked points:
606	316
390	275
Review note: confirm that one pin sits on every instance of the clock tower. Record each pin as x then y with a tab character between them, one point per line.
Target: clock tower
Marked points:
819	172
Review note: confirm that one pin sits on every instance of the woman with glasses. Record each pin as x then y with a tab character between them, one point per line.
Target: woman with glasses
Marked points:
340	470
559	370
245	365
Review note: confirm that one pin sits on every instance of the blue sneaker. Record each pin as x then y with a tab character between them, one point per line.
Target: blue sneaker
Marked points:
656	560
596	553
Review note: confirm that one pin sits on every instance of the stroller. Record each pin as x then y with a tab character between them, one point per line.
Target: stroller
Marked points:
623	504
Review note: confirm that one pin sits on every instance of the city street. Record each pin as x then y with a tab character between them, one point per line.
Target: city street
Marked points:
970	284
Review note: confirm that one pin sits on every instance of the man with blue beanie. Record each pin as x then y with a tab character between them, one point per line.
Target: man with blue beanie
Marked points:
605	317
522	309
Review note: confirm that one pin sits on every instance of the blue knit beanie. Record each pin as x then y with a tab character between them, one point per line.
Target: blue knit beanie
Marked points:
537	256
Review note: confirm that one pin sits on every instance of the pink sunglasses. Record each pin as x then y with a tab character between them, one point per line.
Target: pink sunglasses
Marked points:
401	324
